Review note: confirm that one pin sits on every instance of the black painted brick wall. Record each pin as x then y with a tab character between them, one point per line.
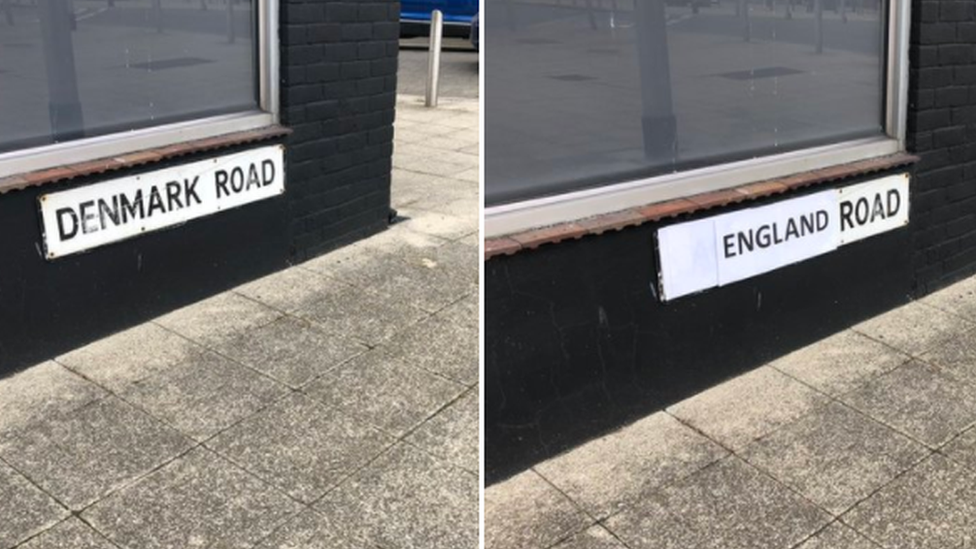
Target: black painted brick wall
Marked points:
942	130
338	75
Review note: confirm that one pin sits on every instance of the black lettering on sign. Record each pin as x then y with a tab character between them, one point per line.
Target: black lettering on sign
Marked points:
728	243
763	238
894	202
220	180
865	210
173	190
110	212
133	209
846	210
823	219
861	211
87	216
155	202
237	179
806	224
878	209
67	232
747	242
253	180
190	191
773	234
267	172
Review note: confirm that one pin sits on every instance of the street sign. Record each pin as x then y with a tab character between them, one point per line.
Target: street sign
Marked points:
723	249
87	217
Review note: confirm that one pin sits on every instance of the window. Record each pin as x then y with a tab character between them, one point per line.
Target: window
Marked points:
84	79
658	98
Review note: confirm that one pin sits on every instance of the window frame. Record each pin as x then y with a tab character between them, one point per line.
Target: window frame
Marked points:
115	144
540	212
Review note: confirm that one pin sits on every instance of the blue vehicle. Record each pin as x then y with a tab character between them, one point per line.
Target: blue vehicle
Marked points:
415	17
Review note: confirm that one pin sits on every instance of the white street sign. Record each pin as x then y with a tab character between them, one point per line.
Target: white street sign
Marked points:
87	217
723	249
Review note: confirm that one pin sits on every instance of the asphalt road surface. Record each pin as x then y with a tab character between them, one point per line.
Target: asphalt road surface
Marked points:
459	68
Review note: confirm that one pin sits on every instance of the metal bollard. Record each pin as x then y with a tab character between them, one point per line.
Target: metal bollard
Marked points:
434	57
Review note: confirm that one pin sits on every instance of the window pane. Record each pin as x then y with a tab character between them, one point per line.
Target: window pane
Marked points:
581	93
77	68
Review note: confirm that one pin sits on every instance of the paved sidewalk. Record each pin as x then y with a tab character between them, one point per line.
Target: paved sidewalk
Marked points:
862	440
332	405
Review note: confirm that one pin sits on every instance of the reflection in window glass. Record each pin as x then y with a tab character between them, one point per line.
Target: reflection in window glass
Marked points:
82	68
580	93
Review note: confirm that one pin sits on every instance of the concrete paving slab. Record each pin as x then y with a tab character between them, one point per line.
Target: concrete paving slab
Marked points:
80	456
218	318
199	500
438	224
426	165
840	363
25	509
739	411
355	265
465	311
956	358
406	499
291	350
128	356
301	446
958	299
449	256
962	449
440	346
915	328
526	512
310	530
289	290
835	456
70	534
837	536
595	537
606	474
728	505
931	506
416	278
920	401
395	241
204	395
392	396
427	284
368	317
453	433
34	394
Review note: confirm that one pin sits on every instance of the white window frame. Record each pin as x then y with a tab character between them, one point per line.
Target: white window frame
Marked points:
116	144
540	212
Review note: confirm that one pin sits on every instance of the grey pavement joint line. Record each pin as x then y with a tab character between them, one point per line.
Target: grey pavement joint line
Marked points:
592	520
165	422
397	440
738	455
210	348
731	451
837	399
916	356
194	445
406	435
76	515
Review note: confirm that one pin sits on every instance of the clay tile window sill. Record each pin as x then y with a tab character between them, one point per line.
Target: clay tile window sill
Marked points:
138	158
